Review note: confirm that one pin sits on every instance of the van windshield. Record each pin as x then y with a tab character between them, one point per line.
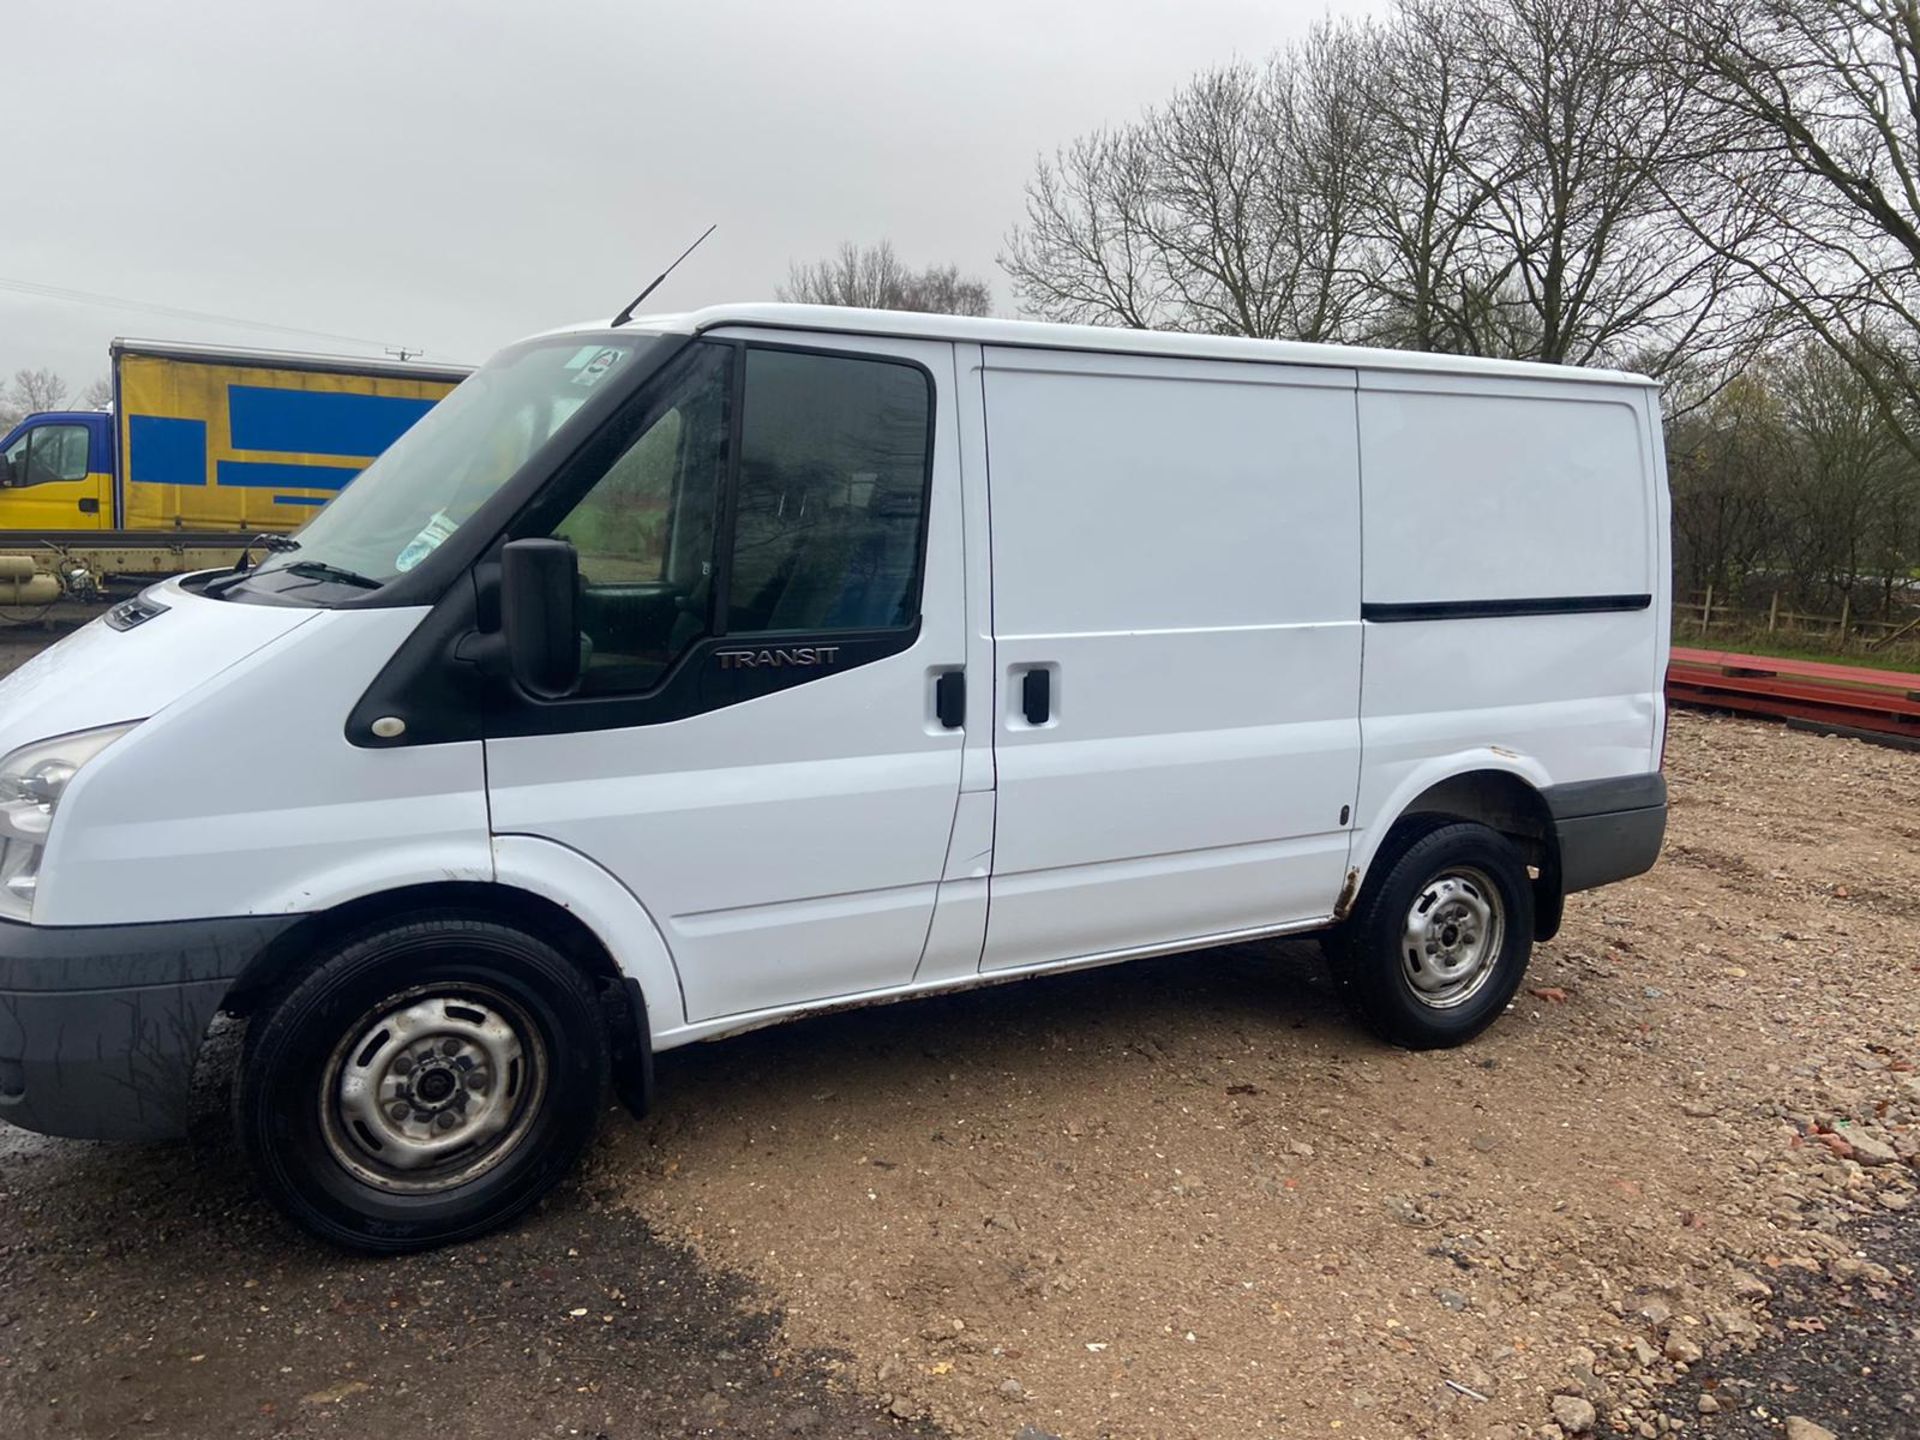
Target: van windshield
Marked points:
431	480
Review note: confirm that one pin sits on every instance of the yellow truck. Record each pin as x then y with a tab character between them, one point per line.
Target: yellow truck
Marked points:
203	449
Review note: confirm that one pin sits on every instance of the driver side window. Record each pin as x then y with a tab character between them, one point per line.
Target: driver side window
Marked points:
48	453
813	530
644	533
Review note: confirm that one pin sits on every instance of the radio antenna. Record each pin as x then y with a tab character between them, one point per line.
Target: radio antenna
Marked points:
627	314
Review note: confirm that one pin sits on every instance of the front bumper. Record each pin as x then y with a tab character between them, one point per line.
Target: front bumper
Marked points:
100	1025
1607	829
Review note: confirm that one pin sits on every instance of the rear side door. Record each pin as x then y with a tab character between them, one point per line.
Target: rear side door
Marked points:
770	556
54	481
1176	613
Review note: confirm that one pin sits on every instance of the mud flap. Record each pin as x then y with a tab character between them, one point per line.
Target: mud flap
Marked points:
1549	903
632	1040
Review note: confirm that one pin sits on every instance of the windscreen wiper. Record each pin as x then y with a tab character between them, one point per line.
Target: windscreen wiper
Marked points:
320	570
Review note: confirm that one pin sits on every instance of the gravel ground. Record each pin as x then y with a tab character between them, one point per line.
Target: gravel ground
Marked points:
1850	1357
144	1291
1175	1198
1186	1197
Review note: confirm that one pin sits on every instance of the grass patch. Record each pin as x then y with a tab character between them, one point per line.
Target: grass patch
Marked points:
1903	657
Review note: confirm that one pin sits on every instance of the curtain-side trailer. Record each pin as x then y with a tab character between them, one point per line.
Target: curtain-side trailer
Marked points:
204	449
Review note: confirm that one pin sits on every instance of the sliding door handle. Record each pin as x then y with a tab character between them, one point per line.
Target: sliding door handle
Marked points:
950	699
1036	696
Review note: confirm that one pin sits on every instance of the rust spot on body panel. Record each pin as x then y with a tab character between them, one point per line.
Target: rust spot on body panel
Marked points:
1349	892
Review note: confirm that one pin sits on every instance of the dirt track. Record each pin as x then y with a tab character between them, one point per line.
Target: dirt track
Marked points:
1188	1198
1172	1199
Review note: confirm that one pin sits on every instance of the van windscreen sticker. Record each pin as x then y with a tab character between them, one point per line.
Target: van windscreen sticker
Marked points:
597	366
426	542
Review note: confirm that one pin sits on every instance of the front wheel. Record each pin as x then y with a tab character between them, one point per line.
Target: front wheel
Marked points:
425	1082
1439	941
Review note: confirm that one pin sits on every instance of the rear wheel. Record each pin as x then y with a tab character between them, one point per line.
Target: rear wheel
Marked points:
1439	941
425	1082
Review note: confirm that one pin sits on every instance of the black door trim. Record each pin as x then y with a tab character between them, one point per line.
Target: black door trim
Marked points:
1403	611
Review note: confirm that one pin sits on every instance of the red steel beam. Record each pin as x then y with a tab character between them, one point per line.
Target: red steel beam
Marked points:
1879	701
1844	696
1728	662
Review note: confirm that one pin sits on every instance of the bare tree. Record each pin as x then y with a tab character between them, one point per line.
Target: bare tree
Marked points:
1585	122
98	395
943	290
1215	230
1231	209
865	277
1473	175
1327	179
31	391
1817	164
40	389
1083	254
872	277
1433	182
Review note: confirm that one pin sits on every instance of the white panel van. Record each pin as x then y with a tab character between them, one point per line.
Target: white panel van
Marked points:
675	678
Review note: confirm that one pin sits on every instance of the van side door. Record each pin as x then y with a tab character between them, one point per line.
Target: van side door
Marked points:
1176	612
771	589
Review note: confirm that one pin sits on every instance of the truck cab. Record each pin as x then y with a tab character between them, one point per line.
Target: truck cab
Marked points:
56	473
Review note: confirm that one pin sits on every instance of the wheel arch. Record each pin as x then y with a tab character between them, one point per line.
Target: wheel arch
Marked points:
625	1000
1492	789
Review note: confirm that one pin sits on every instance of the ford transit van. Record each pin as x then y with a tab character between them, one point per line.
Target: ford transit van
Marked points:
671	679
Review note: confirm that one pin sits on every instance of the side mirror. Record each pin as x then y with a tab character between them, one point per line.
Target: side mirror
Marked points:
6	471
539	584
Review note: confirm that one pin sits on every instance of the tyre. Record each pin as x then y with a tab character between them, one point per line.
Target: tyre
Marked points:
425	1082
1439	941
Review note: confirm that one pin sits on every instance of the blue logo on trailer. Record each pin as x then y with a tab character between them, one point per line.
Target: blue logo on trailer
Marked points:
318	422
165	451
310	422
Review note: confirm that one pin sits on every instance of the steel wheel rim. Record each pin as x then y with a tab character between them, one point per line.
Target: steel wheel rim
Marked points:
432	1088
1454	933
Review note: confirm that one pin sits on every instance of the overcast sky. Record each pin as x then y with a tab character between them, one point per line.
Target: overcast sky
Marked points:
450	176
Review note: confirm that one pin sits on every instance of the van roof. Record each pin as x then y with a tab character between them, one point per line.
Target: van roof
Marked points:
840	320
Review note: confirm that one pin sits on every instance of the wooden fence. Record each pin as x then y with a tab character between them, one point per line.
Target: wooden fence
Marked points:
1700	613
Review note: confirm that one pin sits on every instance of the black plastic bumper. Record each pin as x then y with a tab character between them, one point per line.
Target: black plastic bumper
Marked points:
1607	829
100	1025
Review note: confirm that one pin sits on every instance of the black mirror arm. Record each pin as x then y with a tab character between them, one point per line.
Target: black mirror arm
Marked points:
486	651
485	646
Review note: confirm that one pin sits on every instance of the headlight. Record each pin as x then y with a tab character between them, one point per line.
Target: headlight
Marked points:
32	780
